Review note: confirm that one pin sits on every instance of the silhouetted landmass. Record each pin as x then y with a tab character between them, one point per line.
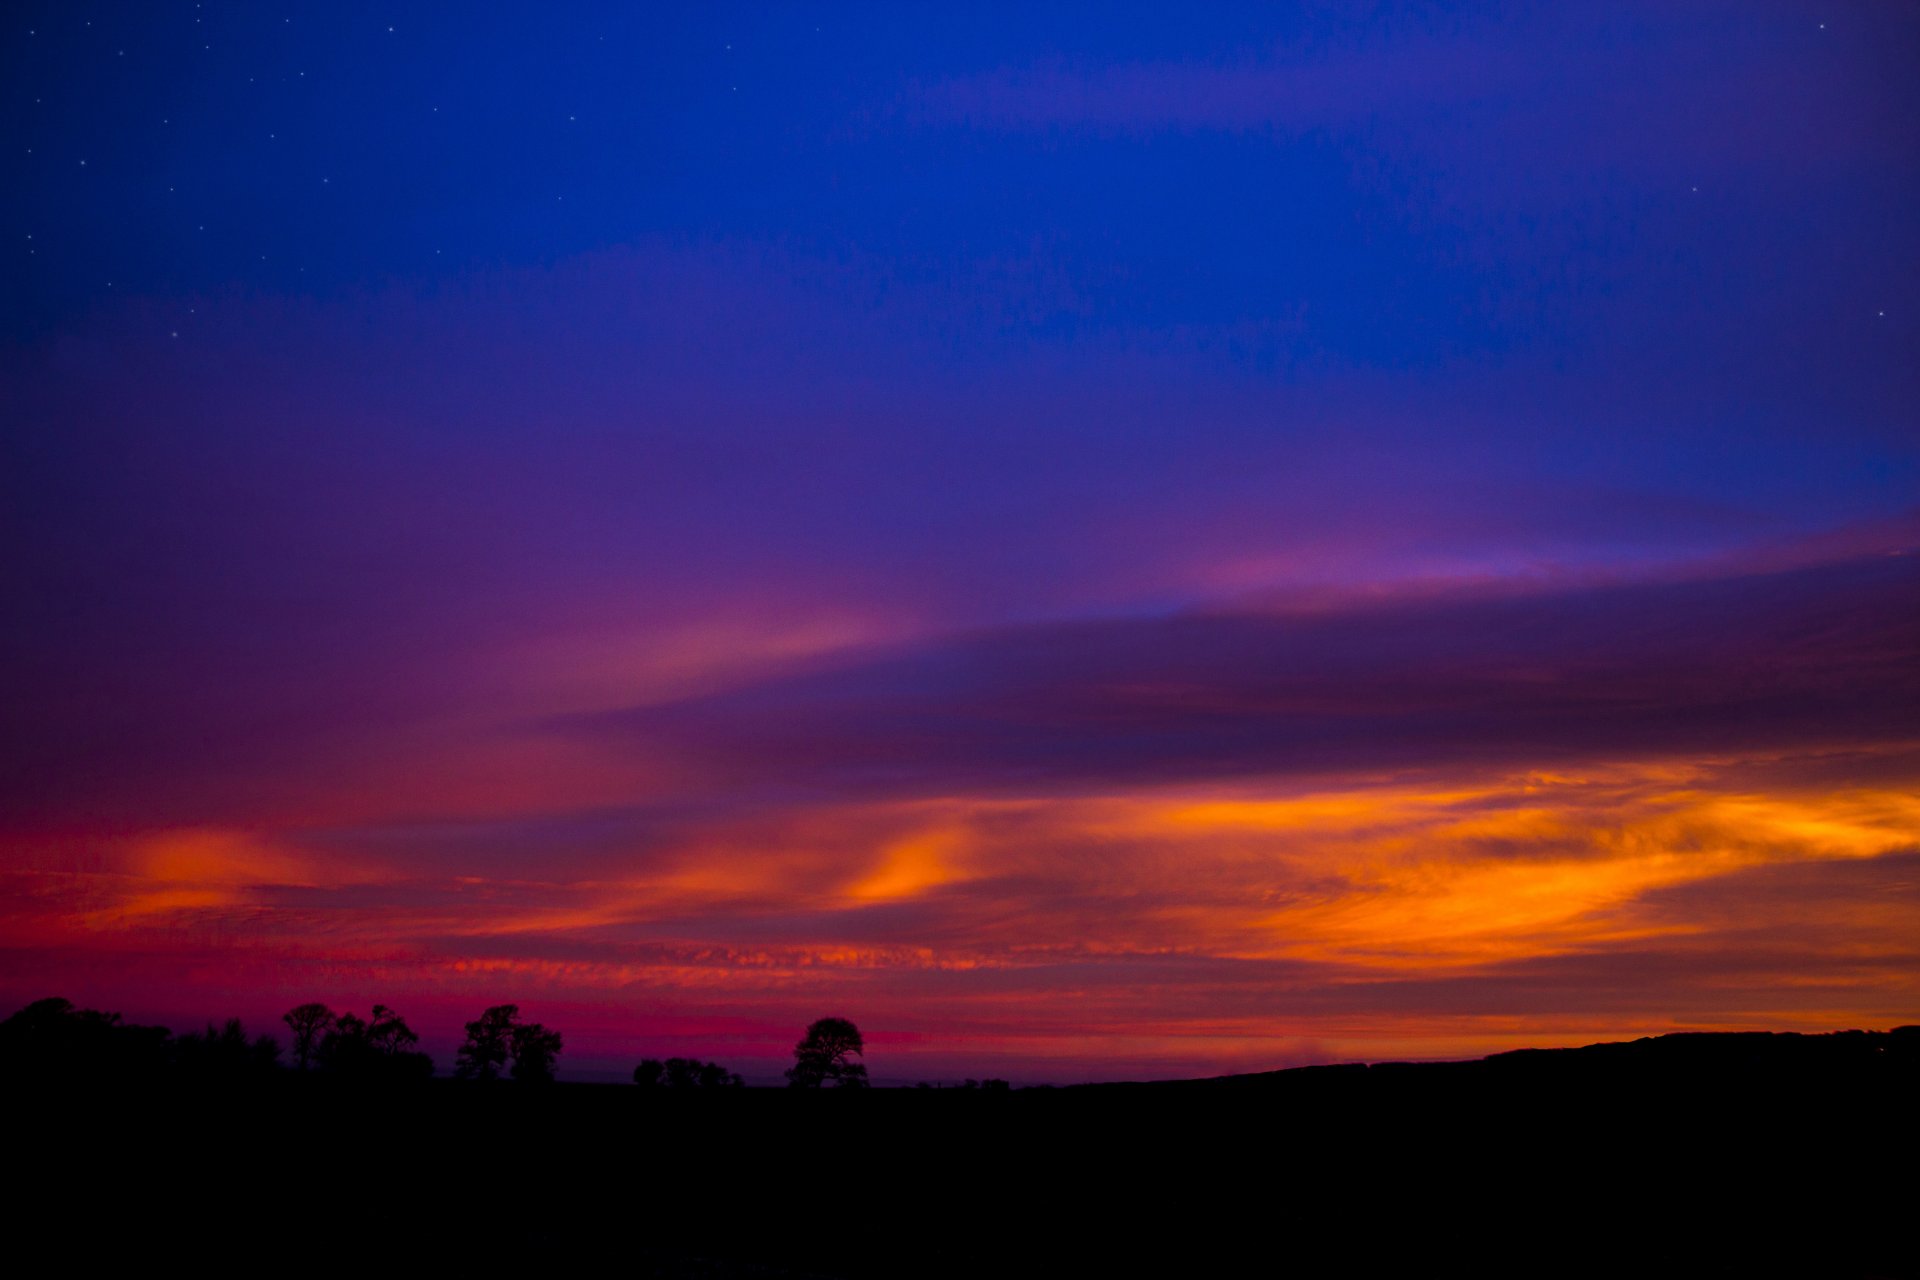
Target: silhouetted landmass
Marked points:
1689	1057
53	1041
1683	1155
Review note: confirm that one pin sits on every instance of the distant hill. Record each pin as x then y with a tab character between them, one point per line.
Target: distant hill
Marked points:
1722	1055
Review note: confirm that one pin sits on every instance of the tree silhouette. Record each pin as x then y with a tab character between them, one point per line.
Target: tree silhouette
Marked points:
534	1050
685	1073
344	1044
388	1032
497	1036
51	1039
308	1022
715	1076
226	1051
485	1051
381	1046
824	1055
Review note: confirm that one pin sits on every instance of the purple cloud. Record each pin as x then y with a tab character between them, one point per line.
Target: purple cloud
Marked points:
1827	656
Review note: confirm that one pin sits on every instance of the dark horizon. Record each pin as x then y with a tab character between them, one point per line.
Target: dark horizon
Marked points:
82	1057
1750	1153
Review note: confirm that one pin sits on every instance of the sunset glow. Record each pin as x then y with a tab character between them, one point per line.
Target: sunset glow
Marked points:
1091	550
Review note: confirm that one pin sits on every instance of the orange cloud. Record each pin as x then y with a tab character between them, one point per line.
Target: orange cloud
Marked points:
1224	925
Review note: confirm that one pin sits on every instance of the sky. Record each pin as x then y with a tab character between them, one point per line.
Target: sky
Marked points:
1098	542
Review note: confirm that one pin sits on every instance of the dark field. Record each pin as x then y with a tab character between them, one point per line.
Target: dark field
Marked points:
1723	1156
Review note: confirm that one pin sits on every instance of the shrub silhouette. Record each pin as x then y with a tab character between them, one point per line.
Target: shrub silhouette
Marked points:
715	1076
685	1073
52	1039
226	1051
825	1055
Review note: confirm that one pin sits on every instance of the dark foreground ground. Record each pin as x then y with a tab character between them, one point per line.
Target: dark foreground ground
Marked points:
1724	1156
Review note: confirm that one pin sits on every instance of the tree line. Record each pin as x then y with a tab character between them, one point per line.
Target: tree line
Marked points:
53	1039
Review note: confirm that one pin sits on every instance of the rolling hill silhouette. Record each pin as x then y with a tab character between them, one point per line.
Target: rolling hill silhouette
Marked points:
1680	1057
1715	1154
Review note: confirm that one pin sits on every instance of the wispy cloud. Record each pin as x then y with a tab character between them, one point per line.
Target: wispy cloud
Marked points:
1431	824
1792	660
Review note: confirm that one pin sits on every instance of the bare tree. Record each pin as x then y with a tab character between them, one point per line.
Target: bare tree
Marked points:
308	1022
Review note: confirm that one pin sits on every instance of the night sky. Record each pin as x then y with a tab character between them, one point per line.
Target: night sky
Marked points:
1095	541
